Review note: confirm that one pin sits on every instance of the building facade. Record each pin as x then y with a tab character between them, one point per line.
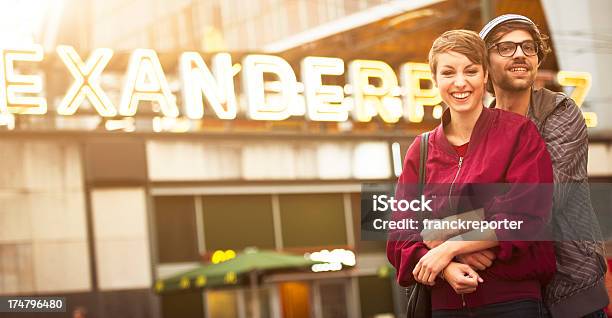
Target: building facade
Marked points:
98	208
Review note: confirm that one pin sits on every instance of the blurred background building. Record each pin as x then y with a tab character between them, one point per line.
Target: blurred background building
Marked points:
97	209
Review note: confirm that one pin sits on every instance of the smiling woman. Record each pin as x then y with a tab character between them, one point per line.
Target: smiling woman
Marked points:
457	61
460	81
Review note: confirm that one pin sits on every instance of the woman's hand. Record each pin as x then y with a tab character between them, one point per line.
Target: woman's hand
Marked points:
462	278
432	244
480	260
432	263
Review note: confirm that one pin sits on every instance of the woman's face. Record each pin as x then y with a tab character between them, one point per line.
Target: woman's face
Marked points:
460	81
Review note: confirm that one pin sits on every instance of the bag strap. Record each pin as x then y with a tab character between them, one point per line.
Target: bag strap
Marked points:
423	160
422	174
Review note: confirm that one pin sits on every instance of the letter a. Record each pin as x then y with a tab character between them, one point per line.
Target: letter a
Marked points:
146	81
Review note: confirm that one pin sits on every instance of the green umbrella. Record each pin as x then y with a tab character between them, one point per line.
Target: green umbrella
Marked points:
233	271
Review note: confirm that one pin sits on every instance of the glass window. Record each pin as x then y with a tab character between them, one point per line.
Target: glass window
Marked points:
263	296
312	220
233	303
375	296
363	246
295	299
175	226
333	298
238	221
186	305
222	303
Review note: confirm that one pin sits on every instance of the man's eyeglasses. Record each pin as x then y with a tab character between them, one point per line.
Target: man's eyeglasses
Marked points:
507	49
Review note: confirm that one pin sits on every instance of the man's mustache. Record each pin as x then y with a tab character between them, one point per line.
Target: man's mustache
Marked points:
520	63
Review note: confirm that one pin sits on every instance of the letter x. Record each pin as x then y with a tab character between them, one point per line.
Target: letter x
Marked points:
87	81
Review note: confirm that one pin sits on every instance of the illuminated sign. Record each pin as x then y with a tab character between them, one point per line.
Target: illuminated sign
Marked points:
270	89
199	82
325	102
86	81
332	260
146	81
581	81
222	256
369	99
16	90
416	96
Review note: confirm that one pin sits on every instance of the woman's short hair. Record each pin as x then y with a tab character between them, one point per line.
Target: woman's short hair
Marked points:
465	42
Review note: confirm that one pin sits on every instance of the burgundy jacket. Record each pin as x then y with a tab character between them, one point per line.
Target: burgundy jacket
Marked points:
504	148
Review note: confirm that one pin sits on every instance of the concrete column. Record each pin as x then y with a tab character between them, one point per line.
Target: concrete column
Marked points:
582	35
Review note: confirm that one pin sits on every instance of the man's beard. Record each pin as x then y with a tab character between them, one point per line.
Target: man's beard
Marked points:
506	83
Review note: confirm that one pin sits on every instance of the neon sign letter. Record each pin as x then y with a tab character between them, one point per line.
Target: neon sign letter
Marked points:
146	81
86	81
260	108
324	102
368	100
198	81
13	85
415	97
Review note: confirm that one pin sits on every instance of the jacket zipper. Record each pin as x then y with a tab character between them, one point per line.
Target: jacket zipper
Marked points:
450	203
450	191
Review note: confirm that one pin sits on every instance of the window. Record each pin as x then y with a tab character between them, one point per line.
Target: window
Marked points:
175	226
222	303
186	305
238	221
312	219
333	298
295	299
375	296
363	246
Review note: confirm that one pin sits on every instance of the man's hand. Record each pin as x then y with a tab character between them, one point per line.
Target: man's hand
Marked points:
431	264
462	278
480	260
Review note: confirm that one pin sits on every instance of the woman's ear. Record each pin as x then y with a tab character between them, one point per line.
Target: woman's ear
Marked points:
486	78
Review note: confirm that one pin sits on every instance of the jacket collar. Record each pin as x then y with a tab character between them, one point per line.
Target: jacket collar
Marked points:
541	103
480	130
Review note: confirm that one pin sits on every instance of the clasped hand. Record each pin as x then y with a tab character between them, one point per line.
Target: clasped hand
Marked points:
432	264
461	276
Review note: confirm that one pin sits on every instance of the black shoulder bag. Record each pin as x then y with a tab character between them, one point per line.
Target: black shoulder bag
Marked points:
419	295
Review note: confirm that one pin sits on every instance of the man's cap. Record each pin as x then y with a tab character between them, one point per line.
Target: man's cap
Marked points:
486	30
503	19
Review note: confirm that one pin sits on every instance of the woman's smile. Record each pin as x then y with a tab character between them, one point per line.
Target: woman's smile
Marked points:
460	81
461	96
